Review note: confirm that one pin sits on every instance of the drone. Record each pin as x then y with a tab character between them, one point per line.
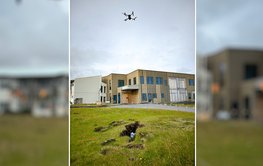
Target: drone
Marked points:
129	16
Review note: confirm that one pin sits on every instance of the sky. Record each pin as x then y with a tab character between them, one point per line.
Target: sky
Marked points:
34	36
228	24
161	38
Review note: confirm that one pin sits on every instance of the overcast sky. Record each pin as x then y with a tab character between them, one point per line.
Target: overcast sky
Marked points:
33	36
161	38
228	23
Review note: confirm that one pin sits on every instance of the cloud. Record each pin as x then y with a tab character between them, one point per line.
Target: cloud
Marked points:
162	38
232	23
33	34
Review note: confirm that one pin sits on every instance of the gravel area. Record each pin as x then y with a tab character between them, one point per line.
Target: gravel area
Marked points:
156	106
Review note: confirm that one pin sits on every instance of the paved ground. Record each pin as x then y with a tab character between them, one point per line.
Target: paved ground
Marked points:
156	106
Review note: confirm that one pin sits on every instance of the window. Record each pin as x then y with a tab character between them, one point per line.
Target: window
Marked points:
120	83
144	97
159	80
141	79
191	82
154	95
134	81
110	85
104	89
149	80
101	89
129	81
162	95
114	99
189	96
250	71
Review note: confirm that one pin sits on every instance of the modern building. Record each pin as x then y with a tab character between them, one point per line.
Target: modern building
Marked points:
237	84
88	90
143	86
38	95
139	86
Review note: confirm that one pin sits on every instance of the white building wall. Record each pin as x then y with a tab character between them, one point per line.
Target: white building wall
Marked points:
87	88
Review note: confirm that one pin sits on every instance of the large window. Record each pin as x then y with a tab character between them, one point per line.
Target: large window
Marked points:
129	81
159	80
178	92
141	79
149	80
120	83
191	82
250	71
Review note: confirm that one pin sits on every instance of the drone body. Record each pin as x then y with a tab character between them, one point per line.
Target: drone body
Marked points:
129	16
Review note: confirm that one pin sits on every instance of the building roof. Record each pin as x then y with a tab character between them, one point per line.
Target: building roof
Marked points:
232	49
150	71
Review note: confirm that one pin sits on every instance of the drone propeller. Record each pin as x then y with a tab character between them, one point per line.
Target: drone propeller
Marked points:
124	14
132	13
134	18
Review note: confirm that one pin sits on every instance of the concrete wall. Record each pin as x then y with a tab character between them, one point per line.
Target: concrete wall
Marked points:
112	83
87	88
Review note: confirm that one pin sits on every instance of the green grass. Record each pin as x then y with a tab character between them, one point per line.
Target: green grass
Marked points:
25	140
167	137
233	143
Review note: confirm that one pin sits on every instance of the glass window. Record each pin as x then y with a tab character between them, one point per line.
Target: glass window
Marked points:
134	81
189	96
114	99
149	80
129	81
250	71
191	82
159	80
162	95
120	83
142	79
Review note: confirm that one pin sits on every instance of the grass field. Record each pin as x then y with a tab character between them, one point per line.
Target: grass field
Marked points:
166	138
229	143
29	141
